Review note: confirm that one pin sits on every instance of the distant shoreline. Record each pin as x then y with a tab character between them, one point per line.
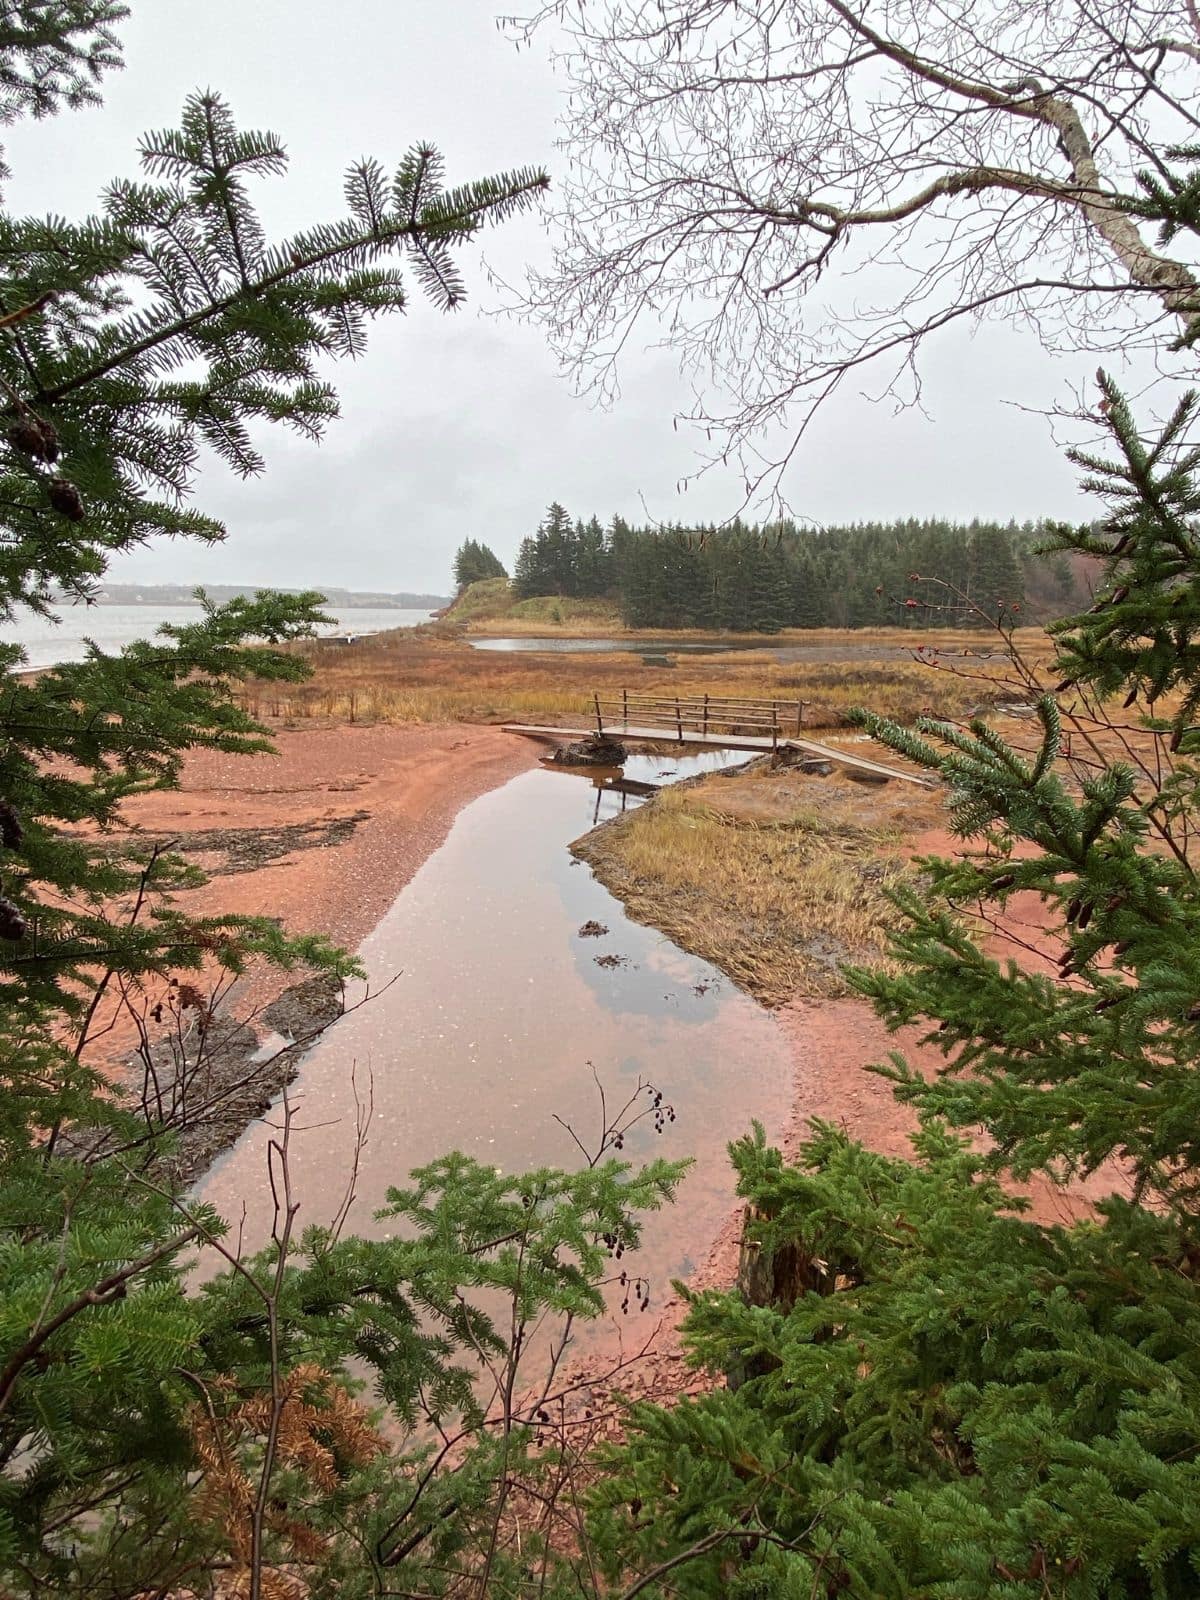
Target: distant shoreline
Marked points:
174	595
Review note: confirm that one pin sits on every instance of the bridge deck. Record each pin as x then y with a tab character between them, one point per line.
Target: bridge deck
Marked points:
753	743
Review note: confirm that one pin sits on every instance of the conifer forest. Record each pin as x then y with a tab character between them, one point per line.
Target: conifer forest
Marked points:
964	1366
761	579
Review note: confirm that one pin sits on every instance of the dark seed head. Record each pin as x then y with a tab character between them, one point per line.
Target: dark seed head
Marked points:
12	921
33	436
65	498
11	831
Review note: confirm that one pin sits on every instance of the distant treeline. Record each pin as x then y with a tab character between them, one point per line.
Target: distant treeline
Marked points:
762	579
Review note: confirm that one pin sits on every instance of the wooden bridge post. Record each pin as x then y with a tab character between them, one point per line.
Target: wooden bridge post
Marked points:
678	720
599	718
799	716
625	705
706	716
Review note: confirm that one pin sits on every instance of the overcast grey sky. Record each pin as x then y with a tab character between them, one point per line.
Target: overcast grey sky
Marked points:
462	426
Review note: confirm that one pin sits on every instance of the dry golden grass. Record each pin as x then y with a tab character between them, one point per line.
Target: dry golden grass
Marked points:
421	677
778	878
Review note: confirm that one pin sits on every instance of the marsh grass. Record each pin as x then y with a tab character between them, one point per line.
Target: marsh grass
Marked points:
419	676
778	878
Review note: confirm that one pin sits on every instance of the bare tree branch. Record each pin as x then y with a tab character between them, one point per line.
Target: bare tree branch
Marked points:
780	191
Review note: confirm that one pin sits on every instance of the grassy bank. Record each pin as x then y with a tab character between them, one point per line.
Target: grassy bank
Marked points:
778	878
489	607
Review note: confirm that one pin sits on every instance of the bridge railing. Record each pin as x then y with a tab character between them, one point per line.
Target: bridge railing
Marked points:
700	713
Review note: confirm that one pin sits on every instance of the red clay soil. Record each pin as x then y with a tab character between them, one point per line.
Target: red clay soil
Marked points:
321	835
411	781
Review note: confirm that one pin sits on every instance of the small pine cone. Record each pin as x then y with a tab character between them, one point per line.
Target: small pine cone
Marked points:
34	436
12	923
65	498
11	831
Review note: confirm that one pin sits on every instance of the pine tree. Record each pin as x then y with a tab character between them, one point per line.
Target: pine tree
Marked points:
156	1438
474	562
527	570
953	1400
556	541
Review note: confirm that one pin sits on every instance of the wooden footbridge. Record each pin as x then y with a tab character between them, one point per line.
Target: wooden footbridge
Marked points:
757	726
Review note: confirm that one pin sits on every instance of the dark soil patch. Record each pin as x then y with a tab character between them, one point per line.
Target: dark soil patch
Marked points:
232	1087
236	850
205	1083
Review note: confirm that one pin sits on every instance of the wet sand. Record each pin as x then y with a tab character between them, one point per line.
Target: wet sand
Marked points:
373	801
321	836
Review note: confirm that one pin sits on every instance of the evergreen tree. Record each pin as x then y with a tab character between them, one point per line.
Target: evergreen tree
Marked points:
952	1400
594	574
527	570
762	579
474	562
556	542
156	1438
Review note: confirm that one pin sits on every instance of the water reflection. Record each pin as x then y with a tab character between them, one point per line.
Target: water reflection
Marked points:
499	1007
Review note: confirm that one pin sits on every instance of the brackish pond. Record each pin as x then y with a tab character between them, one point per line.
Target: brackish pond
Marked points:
499	1007
633	647
850	648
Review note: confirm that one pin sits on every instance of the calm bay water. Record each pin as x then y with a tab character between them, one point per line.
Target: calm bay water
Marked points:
46	642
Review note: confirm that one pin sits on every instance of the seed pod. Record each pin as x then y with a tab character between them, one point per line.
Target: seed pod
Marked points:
1121	594
1074	909
1085	915
11	831
1004	881
65	498
12	922
1108	1002
1193	1012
